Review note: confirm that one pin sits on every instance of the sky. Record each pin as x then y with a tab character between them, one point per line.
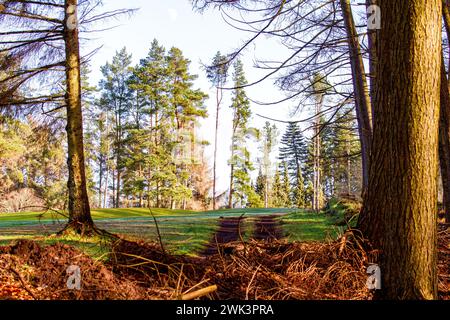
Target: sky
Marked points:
199	36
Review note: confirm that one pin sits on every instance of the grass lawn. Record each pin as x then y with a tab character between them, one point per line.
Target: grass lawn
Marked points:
310	226
183	232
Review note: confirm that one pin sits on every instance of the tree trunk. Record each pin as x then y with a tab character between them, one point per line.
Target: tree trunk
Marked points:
100	180
362	101
230	200
372	42
399	214
118	187
446	14
215	148
444	141
444	129
80	219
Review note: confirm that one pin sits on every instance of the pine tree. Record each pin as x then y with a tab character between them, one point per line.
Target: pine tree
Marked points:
277	191
286	189
217	74
299	193
116	99
268	142
260	184
240	162
293	149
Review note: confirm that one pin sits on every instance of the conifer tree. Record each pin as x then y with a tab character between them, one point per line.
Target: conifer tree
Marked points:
240	161
286	188
299	193
277	190
217	74
116	100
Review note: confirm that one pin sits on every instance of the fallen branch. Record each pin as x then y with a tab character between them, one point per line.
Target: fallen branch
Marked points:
199	293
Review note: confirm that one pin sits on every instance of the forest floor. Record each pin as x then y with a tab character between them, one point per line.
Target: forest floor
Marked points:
250	256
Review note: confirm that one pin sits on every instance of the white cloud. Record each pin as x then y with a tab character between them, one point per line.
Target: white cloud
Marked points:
173	14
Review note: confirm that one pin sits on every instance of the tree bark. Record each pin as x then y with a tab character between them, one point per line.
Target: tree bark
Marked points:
373	59
444	123
80	219
399	214
230	200
215	147
363	105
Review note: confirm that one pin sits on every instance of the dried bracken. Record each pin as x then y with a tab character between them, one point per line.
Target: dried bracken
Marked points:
263	270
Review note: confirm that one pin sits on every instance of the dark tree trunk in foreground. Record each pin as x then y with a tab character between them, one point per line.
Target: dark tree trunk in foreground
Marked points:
399	214
362	100
80	219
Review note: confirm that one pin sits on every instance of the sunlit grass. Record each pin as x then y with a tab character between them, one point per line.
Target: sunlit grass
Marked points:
182	232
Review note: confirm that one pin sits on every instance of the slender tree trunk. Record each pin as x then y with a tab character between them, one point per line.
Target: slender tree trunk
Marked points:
118	188
215	147
399	214
362	101
80	219
446	14
113	178
105	191
230	200
349	166
100	181
316	183
373	59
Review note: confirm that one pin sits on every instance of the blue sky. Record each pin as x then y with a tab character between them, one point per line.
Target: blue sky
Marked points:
199	36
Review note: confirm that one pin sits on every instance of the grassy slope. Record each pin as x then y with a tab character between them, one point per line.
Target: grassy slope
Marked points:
182	231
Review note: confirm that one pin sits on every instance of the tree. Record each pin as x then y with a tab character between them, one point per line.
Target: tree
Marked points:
48	31
260	185
268	137
293	149
324	38
363	104
293	152
399	214
240	157
299	193
444	124
286	187
217	74
150	81
320	87
117	100
277	191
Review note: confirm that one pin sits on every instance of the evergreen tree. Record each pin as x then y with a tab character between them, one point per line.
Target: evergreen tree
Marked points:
116	100
299	193
240	162
260	184
217	74
268	142
286	188
293	149
277	191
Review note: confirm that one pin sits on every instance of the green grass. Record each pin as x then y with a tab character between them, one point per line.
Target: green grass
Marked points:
183	232
310	226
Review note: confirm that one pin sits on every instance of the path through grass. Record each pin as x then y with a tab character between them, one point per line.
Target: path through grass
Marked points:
185	232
